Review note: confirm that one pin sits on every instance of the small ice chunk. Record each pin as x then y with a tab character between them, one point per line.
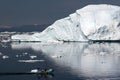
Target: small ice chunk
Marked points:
34	71
5	57
33	57
1	53
17	55
25	53
56	56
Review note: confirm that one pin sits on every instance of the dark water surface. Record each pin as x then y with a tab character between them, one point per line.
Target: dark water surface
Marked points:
70	61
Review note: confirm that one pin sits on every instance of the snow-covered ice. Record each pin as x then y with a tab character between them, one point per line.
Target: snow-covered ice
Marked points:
93	22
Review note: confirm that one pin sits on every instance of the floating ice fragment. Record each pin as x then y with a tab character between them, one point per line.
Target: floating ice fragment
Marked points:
5	57
34	70
16	56
25	53
33	57
31	61
56	56
0	53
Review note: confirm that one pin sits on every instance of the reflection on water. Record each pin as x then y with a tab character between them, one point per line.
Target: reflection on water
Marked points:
98	60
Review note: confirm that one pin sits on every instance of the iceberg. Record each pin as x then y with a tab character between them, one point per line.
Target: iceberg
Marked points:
92	22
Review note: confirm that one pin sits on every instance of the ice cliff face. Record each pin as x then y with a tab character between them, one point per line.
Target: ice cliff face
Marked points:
93	22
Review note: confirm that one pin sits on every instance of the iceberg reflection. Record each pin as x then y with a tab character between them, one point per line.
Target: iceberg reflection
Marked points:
87	60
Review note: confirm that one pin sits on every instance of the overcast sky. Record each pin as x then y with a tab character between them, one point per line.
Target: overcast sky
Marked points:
23	12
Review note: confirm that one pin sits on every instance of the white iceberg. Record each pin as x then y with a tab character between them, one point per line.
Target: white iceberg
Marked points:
93	22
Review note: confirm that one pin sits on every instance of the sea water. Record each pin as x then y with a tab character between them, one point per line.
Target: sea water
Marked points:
70	61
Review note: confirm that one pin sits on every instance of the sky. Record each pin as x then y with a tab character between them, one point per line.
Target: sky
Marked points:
27	12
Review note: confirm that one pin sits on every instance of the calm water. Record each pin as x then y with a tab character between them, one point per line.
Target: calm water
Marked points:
70	61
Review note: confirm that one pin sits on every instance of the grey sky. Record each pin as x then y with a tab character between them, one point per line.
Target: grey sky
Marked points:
20	12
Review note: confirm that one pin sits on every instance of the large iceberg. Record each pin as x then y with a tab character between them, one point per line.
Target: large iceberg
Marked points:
93	22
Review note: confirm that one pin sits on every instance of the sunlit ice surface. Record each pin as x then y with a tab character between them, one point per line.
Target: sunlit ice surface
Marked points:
95	60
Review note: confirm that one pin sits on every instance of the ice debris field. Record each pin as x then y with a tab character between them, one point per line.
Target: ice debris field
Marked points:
93	22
